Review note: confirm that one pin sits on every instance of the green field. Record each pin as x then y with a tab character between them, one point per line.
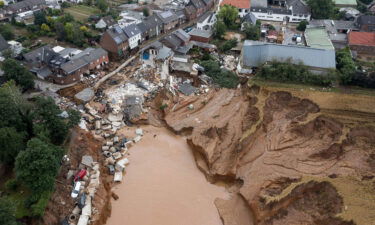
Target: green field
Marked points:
82	12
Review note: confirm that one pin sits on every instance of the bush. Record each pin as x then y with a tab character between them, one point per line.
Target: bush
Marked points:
302	25
228	45
11	185
222	77
288	72
39	207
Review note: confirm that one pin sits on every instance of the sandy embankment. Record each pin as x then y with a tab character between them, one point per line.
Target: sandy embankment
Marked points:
163	185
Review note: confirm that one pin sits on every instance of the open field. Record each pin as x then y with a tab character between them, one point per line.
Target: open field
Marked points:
346	105
81	12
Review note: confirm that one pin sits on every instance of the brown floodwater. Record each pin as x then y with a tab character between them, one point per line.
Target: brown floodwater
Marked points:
163	186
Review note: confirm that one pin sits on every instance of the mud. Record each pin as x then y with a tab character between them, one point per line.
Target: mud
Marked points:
268	141
162	184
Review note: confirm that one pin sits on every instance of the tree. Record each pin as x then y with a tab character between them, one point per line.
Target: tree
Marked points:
228	45
302	25
49	122
146	12
228	14
252	32
7	212
219	29
60	31
6	31
78	36
11	143
345	65
222	77
12	107
39	18
321	9
14	71
37	166
2	4
102	5
69	29
45	28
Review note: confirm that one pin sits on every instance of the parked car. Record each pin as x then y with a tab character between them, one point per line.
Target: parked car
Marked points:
80	175
75	192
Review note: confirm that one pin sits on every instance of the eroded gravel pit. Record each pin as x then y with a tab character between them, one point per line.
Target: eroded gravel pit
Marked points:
163	185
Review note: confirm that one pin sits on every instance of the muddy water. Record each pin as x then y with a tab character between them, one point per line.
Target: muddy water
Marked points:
163	185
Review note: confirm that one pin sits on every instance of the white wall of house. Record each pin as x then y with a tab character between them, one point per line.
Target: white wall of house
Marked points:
134	41
207	22
294	18
243	12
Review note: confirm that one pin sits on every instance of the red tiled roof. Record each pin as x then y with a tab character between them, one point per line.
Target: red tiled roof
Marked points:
241	4
362	38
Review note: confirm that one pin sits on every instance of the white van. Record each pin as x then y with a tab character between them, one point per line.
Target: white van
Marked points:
76	188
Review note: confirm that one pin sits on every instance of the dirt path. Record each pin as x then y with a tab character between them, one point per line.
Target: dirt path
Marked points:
163	185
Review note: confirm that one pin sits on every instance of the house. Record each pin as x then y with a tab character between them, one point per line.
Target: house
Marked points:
25	17
256	54
249	19
199	6
152	27
366	23
3	44
178	41
243	6
50	65
8	2
180	13
134	35
362	42
209	4
105	22
292	11
115	41
130	17
204	36
207	21
190	12
337	30
169	20
26	5
317	37
345	3
15	47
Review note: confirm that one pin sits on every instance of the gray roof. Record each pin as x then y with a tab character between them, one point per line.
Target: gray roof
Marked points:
117	34
250	18
259	3
205	16
3	44
167	16
257	53
334	28
152	22
198	4
82	59
185	37
366	20
298	6
131	30
25	4
108	20
172	41
180	14
164	53
200	33
42	54
142	27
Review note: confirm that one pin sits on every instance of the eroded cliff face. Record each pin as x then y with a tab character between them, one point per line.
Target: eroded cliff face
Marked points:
289	161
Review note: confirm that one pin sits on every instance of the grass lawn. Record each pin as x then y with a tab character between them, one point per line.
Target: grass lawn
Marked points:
82	12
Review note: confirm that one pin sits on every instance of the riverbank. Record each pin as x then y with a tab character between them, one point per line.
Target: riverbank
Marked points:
163	185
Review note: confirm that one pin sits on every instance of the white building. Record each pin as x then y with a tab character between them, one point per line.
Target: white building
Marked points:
207	21
288	10
15	47
134	35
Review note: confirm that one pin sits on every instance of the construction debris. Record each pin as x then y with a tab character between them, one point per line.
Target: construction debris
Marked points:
85	95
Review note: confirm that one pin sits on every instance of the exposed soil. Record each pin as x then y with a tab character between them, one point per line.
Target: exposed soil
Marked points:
61	204
268	142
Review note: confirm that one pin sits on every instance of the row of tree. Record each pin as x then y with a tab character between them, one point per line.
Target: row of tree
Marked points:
31	133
